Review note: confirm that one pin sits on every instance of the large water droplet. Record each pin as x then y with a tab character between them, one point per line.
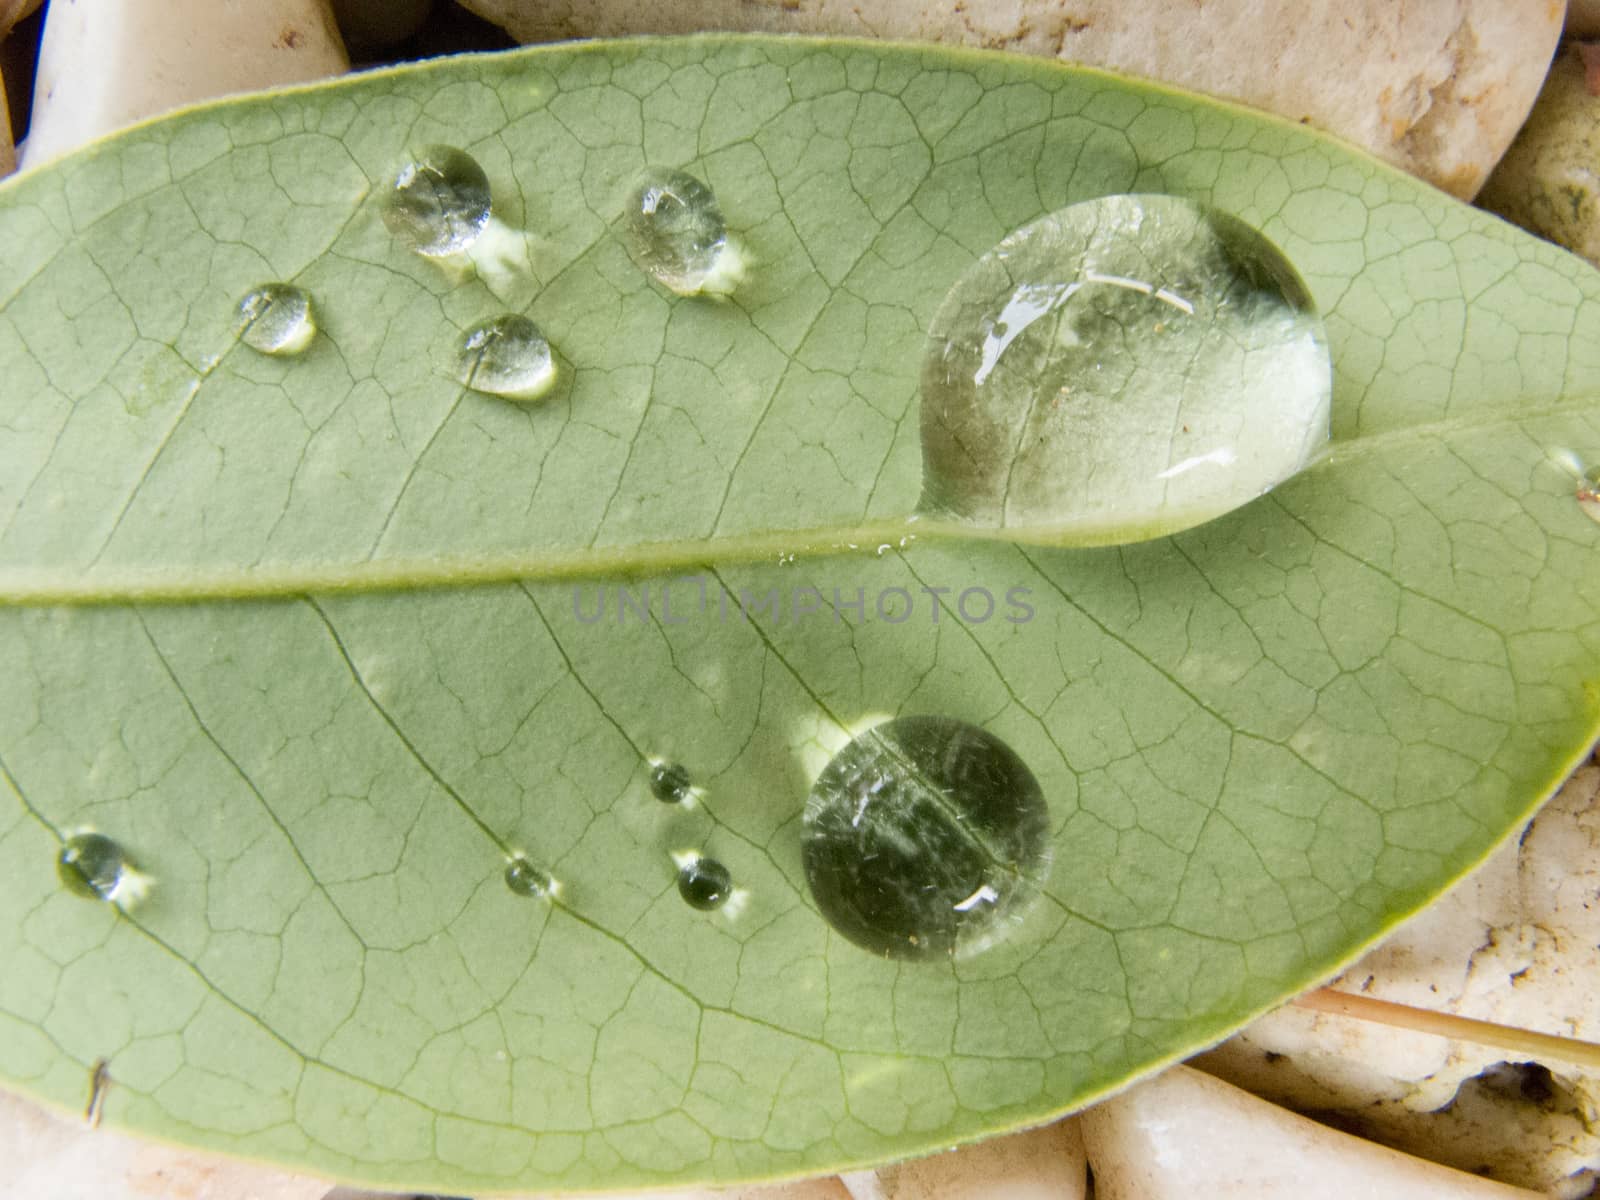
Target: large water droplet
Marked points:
525	879
670	783
674	231
506	357
925	837
1120	369
92	865
276	319
439	203
704	883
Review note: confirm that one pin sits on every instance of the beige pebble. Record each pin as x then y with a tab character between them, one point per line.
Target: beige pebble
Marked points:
1037	1164
48	1157
1549	181
1184	1134
104	64
1439	89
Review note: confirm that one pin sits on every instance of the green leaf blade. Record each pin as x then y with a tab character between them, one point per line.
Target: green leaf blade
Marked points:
1263	741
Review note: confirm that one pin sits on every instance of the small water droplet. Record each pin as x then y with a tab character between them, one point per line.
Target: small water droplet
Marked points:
506	357
525	879
276	319
670	783
674	231
925	837
93	866
1048	402
704	883
438	203
1588	491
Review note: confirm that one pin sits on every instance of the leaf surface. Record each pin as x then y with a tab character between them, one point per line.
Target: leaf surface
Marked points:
314	639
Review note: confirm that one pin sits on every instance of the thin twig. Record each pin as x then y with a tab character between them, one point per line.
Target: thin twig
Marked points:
1448	1025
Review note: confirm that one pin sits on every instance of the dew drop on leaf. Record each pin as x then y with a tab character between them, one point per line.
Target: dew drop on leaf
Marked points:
674	232
1120	369
1589	492
438	203
669	783
276	318
91	865
525	879
925	837
704	883
506	357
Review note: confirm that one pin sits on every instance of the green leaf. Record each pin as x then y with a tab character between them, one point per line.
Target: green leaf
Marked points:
307	638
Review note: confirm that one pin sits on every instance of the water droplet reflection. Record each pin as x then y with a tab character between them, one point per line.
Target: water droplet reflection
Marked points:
925	837
506	357
674	231
704	883
525	879
1588	492
1119	369
670	783
93	866
276	318
438	203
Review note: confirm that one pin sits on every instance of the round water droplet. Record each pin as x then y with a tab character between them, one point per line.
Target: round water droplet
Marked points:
525	879
92	865
925	837
669	783
276	319
439	203
674	231
704	883
506	357
1120	369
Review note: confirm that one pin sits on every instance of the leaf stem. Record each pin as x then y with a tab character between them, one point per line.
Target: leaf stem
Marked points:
1449	1025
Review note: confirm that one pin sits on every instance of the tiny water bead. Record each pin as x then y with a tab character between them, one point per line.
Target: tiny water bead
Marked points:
276	318
439	203
670	783
1121	369
93	866
704	883
525	879
506	357
925	837
1588	492
674	232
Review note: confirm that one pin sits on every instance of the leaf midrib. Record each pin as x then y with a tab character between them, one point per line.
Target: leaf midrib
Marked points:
40	587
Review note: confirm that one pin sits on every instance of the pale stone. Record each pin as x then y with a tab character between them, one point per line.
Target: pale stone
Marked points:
825	1188
1549	181
47	1157
1184	1134
1438	89
104	64
1038	1164
1517	942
